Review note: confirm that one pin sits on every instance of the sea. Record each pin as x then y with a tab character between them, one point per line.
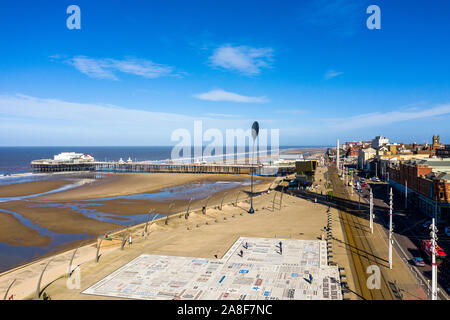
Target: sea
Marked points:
16	160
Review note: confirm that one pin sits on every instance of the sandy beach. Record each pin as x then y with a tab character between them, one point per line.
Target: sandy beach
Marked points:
14	233
29	188
83	210
134	183
304	150
202	235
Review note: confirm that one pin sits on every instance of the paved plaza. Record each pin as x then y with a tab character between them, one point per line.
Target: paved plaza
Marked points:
252	269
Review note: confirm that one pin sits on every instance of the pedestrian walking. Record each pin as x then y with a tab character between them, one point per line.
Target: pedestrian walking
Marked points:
130	239
241	253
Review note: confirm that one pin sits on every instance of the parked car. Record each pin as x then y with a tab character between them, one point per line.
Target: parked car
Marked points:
418	262
362	179
364	185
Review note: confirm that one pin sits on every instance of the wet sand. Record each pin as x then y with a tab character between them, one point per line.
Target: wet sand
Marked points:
29	188
135	183
13	232
58	220
51	211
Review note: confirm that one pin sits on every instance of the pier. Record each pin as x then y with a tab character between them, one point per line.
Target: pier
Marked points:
152	167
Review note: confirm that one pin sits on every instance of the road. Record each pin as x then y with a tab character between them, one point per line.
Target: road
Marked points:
408	234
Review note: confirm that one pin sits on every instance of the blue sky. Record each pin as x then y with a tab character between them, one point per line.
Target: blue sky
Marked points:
138	70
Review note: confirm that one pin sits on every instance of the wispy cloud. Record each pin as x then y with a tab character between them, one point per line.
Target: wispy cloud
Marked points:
331	74
291	111
222	95
107	68
30	120
222	115
382	119
243	59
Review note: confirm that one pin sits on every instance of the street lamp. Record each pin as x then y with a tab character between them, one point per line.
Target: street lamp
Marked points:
371	211
433	255
391	239
255	132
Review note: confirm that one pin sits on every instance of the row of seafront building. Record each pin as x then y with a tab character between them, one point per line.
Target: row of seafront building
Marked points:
421	170
427	182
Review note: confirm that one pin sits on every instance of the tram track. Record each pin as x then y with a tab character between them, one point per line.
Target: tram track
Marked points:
361	251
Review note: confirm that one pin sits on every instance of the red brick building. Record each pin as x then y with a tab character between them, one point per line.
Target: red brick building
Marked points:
428	184
352	151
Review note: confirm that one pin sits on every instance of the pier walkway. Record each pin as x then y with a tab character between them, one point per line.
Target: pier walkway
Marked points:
145	166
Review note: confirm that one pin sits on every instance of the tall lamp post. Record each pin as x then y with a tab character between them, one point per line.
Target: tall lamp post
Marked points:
371	211
406	194
390	229
255	132
433	255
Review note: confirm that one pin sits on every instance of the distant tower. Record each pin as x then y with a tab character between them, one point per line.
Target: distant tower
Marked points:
436	142
337	154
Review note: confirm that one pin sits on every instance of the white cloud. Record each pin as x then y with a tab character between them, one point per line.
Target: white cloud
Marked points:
107	68
29	120
331	74
381	119
222	95
94	68
291	111
243	59
222	115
